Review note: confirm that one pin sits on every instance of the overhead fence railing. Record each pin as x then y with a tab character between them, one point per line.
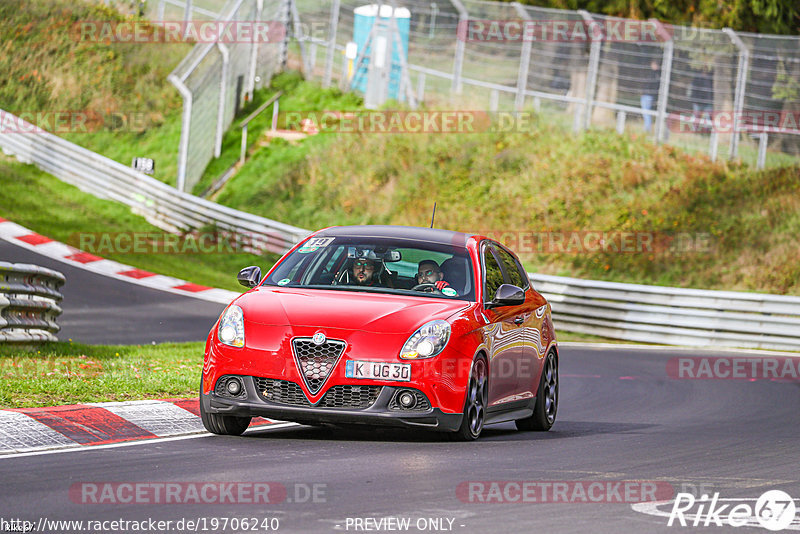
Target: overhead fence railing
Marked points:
671	315
216	79
731	94
29	297
162	205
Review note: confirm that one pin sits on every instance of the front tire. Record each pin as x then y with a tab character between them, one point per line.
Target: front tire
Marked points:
544	412
226	425
475	402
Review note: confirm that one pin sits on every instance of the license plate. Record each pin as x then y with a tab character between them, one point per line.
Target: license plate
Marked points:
400	372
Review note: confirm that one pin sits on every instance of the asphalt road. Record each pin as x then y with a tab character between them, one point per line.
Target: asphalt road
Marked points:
103	310
621	418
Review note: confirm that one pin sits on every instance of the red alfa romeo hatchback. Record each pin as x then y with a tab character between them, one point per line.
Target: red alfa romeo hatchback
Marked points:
385	325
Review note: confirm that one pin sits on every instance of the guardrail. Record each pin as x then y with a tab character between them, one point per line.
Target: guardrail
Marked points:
162	205
632	312
671	315
29	298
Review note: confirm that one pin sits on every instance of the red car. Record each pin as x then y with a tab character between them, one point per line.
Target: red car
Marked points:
385	325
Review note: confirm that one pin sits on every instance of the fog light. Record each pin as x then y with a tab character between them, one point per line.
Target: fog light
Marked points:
407	399
233	386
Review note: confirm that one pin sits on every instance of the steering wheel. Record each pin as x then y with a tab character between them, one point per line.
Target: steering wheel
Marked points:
423	287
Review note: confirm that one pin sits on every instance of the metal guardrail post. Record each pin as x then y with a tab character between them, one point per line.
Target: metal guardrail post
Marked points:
524	60
223	90
593	66
326	77
186	124
741	87
160	11
461	41
666	74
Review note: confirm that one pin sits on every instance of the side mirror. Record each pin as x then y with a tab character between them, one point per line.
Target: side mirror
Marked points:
507	295
249	276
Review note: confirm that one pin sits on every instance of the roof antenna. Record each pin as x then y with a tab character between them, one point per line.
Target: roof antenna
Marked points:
434	214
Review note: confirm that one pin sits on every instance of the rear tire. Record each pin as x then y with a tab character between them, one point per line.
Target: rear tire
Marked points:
475	402
226	425
544	412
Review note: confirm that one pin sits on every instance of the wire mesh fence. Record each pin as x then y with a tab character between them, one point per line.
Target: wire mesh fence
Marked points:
219	76
730	94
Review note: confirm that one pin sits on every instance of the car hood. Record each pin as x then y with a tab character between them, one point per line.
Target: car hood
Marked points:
349	310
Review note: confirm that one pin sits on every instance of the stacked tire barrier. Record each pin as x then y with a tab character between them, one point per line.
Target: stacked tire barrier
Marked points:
672	315
29	297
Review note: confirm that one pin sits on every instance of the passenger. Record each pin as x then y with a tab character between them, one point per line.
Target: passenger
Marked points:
428	272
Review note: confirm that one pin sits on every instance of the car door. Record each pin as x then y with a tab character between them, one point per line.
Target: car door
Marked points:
504	333
531	315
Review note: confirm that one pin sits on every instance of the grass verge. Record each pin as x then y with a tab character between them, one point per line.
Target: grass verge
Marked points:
70	373
62	212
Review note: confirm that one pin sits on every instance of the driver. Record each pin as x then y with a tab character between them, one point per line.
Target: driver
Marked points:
364	272
428	272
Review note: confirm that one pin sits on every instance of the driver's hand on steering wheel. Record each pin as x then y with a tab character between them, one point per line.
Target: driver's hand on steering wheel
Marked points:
440	284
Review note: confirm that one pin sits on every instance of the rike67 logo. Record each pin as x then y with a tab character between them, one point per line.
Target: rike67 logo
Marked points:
774	510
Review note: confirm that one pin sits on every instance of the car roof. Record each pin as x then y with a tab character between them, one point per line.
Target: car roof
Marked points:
413	233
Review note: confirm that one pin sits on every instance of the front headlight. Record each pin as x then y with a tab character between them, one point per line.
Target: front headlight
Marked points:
231	327
426	342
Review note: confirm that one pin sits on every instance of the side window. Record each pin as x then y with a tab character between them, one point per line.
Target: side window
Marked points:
493	276
516	274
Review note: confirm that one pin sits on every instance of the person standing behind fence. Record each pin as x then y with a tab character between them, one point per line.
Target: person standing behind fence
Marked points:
701	95
650	93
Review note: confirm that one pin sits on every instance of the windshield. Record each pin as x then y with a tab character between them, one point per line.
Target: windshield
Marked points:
383	265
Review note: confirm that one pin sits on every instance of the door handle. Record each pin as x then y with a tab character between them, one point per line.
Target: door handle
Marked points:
519	319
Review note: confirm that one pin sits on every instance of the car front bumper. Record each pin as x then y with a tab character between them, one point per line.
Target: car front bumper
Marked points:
252	404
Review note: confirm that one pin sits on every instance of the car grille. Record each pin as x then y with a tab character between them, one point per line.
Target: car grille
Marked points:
285	392
316	361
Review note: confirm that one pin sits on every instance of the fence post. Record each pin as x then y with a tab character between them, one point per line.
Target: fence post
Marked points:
251	79
186	123
713	141
421	87
620	122
461	41
762	150
160	12
524	60
593	29
666	75
326	77
741	83
297	30
494	100
223	89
